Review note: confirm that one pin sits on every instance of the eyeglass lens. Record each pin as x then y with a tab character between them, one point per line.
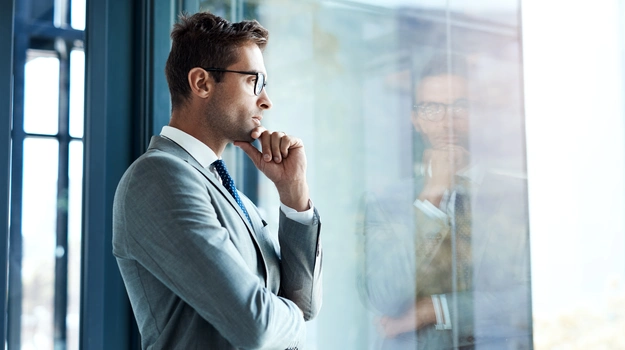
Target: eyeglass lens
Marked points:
435	111
260	83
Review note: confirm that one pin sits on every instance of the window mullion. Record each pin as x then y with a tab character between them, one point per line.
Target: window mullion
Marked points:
61	267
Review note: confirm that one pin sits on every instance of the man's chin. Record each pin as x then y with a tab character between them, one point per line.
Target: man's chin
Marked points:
246	138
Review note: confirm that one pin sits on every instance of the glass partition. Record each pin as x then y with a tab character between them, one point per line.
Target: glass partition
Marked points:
413	117
411	113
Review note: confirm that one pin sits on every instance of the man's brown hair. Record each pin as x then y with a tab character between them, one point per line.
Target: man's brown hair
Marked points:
206	41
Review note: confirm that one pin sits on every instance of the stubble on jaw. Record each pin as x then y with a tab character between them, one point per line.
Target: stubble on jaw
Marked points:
225	127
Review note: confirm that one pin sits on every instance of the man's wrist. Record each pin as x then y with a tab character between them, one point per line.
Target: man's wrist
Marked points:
294	195
425	312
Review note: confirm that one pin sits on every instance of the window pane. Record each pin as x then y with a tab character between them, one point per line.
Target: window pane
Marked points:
576	156
41	93
39	210
413	117
78	13
77	93
416	207
501	12
74	242
223	8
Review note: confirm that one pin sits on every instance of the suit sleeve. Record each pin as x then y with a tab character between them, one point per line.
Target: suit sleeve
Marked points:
301	263
171	228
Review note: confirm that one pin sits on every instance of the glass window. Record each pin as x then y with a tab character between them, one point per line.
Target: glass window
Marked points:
413	123
39	214
450	218
575	151
78	11
74	242
77	93
41	93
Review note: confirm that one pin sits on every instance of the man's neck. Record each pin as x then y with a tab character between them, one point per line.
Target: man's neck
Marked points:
191	124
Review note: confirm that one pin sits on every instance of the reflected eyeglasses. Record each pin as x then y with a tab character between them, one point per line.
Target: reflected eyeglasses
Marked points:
259	83
435	112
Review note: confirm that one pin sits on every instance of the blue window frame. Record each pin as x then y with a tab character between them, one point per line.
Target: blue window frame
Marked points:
6	99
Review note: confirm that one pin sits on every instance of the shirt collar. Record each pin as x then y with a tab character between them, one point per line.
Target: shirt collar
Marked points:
196	148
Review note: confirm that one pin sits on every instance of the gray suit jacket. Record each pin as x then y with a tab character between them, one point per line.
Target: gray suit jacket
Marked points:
198	275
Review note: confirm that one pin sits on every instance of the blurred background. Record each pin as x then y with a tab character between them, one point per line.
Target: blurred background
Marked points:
83	89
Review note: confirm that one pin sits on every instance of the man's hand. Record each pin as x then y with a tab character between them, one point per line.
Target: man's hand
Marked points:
283	161
441	165
419	315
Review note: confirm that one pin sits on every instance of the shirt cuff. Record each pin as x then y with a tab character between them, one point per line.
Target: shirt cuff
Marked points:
429	209
441	309
303	217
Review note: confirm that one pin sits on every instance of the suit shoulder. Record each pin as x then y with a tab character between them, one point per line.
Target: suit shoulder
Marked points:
156	164
158	174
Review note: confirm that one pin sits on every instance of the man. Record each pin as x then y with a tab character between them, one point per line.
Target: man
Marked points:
459	274
201	268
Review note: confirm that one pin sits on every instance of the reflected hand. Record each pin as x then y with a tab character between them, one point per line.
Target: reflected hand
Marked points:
442	164
283	160
418	316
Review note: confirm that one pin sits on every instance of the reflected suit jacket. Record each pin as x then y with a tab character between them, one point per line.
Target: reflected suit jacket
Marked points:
198	274
495	312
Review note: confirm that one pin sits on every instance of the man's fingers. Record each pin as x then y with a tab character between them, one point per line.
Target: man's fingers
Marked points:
251	152
275	146
265	145
285	145
276	138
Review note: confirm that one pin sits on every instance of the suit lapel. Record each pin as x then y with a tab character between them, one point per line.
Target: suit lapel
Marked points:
166	145
224	192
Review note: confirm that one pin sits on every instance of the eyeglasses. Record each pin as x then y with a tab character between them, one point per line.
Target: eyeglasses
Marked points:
435	112
259	83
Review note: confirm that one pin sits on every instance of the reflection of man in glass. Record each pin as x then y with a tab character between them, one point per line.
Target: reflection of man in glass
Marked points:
469	256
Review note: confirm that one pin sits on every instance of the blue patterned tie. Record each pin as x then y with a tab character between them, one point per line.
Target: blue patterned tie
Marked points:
228	183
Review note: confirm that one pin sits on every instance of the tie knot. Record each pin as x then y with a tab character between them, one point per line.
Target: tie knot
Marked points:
226	179
220	166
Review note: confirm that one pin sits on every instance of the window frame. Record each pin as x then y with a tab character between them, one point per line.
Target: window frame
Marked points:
6	111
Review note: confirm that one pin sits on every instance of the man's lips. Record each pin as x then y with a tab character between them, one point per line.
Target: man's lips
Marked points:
257	119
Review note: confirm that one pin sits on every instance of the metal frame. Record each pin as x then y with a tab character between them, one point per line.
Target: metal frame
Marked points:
120	106
156	19
17	135
6	100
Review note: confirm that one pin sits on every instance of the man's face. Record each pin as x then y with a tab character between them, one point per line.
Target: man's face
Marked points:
233	110
448	95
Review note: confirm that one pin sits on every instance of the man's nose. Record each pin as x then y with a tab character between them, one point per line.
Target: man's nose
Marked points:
264	102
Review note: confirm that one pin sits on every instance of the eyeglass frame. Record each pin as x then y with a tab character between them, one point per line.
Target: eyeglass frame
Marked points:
453	107
257	74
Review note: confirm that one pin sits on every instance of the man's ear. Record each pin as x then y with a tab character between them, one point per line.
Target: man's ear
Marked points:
200	82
